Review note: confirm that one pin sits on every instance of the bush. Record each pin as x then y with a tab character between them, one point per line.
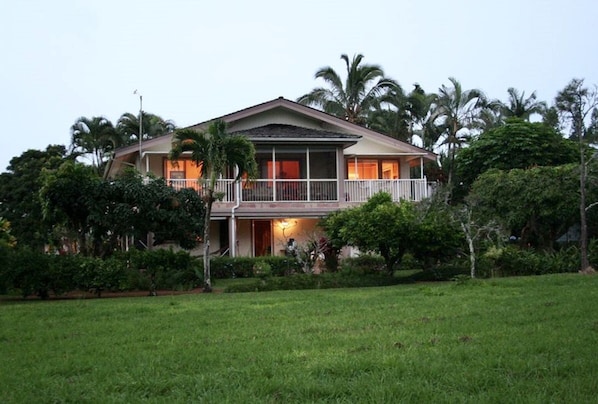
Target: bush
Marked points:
242	267
283	266
312	281
442	272
162	269
515	261
229	267
30	273
363	264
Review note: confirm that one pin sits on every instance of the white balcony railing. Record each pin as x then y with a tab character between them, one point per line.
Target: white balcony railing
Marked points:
362	190
224	188
264	190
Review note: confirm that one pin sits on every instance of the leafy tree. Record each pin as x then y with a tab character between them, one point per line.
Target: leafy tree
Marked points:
516	144
379	225
102	213
456	112
67	195
578	103
152	126
537	205
354	99
19	187
437	236
216	152
94	137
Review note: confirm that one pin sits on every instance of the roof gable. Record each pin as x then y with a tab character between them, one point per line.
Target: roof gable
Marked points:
281	110
276	132
288	114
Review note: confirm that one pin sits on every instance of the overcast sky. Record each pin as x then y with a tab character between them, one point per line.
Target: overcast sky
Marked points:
196	60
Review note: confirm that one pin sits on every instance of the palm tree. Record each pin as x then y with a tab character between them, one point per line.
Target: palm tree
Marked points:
392	117
354	99
152	126
520	107
418	107
216	152
455	112
96	137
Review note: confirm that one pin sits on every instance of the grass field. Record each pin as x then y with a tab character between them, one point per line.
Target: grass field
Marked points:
513	340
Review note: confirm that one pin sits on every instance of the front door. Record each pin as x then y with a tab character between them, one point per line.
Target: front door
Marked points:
262	238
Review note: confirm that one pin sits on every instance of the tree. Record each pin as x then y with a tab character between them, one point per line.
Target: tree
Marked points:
19	199
104	213
216	152
516	144
354	99
135	205
577	103
67	194
476	230
95	137
404	116
437	237
151	125
456	112
536	205
379	225
518	106
391	117
418	107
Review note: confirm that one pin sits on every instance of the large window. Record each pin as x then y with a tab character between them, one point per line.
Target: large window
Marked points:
181	170
372	169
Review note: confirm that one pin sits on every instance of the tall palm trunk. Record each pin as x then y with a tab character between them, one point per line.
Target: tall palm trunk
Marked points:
207	280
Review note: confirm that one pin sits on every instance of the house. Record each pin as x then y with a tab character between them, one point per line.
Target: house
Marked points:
309	164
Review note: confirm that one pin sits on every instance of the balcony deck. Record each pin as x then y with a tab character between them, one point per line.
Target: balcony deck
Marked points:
312	190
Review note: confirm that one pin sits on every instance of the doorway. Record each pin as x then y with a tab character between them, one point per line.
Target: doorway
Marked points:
262	238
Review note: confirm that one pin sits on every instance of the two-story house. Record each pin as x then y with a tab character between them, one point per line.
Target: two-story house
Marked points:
309	164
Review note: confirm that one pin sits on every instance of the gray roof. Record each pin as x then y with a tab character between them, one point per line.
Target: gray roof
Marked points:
280	131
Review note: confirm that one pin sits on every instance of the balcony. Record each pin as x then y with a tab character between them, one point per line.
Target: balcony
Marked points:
265	190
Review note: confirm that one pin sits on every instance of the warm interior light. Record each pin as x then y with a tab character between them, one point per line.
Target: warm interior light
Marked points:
284	224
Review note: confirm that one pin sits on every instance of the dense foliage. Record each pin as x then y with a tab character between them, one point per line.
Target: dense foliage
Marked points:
19	201
537	205
392	229
516	144
103	213
29	272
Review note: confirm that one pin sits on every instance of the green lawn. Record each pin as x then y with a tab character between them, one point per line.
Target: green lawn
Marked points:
515	340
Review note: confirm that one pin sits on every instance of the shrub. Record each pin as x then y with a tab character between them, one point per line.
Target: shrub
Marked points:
242	267
363	264
262	269
229	267
311	281
99	275
283	266
30	273
162	269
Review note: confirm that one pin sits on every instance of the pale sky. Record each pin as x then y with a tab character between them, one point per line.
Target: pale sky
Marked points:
196	60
